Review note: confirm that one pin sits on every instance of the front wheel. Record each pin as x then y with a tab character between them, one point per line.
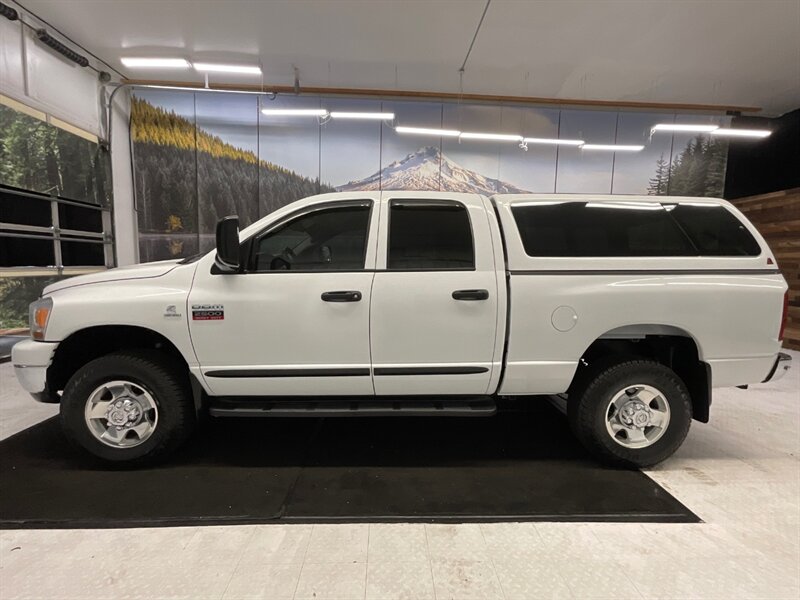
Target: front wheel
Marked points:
129	407
635	414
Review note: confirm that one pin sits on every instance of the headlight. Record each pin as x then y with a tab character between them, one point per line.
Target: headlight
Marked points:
39	315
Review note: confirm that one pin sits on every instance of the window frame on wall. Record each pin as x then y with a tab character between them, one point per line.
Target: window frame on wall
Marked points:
47	118
57	235
47	226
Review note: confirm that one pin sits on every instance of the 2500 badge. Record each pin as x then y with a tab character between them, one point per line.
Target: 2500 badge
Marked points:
208	312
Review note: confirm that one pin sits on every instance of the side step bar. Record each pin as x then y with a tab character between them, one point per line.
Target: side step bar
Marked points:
445	406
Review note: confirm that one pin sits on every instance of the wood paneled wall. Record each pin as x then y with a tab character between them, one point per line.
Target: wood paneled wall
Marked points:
777	217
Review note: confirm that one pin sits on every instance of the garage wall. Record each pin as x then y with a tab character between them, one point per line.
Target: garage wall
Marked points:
36	76
199	156
768	166
55	176
763	180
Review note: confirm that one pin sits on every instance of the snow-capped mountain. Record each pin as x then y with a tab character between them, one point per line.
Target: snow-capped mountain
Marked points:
429	169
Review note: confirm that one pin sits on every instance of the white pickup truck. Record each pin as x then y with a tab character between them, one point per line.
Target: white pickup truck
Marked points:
421	303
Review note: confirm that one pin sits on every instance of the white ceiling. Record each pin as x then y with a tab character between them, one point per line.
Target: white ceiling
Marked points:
727	52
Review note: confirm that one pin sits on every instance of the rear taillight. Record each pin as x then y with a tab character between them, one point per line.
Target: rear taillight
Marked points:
785	315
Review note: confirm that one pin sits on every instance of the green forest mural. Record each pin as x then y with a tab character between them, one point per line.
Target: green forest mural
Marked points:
176	163
699	170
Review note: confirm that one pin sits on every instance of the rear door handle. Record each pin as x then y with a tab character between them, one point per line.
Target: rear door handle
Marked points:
348	296
471	295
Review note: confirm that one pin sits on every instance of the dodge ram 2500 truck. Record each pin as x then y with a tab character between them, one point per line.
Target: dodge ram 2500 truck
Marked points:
421	303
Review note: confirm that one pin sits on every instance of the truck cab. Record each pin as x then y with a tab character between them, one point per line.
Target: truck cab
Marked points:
357	294
421	303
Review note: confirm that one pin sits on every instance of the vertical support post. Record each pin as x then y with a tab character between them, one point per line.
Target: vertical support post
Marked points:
56	235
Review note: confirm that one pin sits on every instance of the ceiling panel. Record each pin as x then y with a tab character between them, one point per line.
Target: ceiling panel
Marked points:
731	52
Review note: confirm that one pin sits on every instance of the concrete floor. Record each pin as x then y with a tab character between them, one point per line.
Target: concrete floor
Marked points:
740	474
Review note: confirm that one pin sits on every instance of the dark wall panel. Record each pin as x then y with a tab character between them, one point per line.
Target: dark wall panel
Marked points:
764	166
777	217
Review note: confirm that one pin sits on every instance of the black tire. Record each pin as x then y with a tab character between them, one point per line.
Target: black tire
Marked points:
588	405
154	371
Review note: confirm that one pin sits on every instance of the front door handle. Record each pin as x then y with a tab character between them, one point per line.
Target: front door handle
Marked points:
348	296
471	295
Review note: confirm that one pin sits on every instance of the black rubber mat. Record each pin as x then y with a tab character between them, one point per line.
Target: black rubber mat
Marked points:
518	465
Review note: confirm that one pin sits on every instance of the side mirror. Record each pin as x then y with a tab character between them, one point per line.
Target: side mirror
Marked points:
227	259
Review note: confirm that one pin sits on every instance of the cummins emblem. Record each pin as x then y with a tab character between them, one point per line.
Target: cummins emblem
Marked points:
172	311
208	312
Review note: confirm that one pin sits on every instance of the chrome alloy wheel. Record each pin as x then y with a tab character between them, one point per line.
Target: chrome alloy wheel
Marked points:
121	414
637	416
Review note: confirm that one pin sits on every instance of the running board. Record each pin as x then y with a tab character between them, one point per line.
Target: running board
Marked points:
444	406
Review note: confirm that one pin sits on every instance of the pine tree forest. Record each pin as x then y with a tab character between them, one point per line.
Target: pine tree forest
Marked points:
187	179
699	170
39	157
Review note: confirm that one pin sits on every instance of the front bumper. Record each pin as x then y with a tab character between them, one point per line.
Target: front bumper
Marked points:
783	362
31	360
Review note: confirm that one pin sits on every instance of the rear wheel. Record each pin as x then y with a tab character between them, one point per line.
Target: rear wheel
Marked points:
635	413
128	407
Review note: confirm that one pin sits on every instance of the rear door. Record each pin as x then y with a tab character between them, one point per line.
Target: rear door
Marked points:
434	310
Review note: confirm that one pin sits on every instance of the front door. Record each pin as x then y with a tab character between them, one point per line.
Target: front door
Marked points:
296	321
435	297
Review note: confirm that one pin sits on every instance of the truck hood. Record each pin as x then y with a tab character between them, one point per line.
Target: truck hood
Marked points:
142	271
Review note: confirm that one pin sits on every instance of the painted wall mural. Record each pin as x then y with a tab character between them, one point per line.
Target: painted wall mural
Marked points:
201	156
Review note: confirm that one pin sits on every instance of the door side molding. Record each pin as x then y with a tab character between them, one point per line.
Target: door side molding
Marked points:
314	372
456	370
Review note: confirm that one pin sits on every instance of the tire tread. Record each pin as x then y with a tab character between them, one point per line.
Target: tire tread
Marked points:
584	415
159	365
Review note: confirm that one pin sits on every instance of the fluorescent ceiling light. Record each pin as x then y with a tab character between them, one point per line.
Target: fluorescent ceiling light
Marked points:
381	116
427	131
553	141
684	127
215	68
294	112
625	205
201	89
500	137
156	63
613	147
753	133
537	203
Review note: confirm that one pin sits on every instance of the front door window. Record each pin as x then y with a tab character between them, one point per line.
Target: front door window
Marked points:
328	239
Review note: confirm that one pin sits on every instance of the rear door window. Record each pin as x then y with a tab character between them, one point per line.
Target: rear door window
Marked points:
429	235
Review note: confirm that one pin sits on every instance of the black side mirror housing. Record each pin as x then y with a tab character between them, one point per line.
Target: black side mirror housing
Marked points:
227	259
